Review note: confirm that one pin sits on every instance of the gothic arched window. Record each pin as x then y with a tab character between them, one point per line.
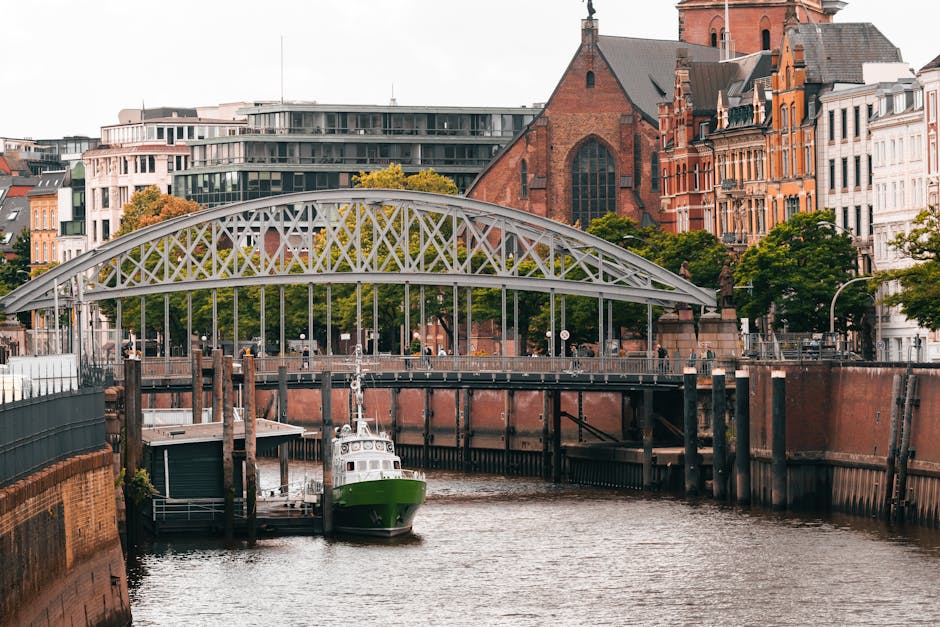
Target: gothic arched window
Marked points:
714	39
765	39
593	183
589	80
524	173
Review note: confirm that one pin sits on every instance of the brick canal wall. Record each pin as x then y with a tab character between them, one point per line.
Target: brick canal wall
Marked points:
60	554
838	428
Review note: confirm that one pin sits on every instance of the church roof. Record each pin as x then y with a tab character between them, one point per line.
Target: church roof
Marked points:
835	52
646	67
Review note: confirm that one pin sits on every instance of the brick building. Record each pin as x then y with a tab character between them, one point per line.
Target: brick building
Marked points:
594	147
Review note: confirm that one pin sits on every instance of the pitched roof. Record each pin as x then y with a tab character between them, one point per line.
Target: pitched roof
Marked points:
646	67
49	183
735	77
933	65
835	52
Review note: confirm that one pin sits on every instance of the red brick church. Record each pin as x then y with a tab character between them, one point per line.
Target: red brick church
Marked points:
594	147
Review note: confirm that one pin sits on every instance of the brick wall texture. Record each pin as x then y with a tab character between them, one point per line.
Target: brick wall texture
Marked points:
60	553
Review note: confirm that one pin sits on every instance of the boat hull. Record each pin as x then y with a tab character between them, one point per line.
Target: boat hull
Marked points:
384	507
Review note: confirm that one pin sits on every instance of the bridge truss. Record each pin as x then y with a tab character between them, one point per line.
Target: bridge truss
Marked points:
354	236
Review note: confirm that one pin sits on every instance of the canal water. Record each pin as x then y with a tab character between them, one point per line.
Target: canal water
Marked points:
491	550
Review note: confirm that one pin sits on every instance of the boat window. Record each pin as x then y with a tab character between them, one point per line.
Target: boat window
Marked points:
386	464
397	464
350	465
374	464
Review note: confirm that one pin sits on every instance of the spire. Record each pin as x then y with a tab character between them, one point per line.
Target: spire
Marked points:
790	19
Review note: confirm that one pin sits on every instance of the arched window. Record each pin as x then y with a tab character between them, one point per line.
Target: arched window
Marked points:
589	80
783	117
524	172
765	39
714	39
593	183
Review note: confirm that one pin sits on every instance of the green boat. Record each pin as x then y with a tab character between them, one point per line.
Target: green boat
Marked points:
372	493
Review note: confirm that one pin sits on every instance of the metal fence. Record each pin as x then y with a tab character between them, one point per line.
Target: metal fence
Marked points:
39	431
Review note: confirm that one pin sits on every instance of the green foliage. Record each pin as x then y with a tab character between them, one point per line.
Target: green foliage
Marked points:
796	269
393	177
16	270
919	293
139	487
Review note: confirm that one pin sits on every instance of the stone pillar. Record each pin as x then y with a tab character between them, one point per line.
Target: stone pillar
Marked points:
719	332
677	335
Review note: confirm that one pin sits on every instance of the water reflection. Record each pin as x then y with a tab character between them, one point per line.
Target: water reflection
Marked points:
496	550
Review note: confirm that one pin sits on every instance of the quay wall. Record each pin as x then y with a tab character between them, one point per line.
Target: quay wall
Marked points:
838	427
60	551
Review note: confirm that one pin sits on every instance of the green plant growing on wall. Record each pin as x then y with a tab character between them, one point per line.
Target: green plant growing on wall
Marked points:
139	487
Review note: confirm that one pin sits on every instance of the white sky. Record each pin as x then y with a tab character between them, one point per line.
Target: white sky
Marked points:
68	67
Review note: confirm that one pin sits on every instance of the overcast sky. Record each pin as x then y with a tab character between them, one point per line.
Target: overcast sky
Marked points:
68	67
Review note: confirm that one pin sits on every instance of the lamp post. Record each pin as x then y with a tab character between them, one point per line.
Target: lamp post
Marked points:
832	305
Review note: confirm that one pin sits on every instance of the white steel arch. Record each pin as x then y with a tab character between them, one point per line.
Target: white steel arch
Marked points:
357	235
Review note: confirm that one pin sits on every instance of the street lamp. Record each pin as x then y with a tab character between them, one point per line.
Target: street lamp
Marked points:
832	305
832	225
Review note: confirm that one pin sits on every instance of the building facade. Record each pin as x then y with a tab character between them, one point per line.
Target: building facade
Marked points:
145	149
293	147
899	194
594	148
748	25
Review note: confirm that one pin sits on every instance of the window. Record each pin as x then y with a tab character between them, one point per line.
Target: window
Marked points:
870	171
792	205
856	129
858	220
845	218
589	80
765	39
844	119
654	172
871	221
845	172
593	183
105	230
832	126
858	171
637	161
105	198
714	39
832	175
524	172
783	117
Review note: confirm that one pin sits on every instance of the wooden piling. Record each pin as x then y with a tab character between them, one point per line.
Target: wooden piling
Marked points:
326	450
556	436
546	436
228	445
507	433
251	449
742	436
133	447
778	454
216	385
197	387
900	509
467	430
393	411
647	409
282	451
690	394
426	440
893	439
719	436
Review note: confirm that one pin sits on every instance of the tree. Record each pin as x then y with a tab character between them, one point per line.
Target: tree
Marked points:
795	272
919	293
149	206
393	177
16	270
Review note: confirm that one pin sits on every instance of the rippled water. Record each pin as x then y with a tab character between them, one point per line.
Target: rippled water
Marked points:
493	550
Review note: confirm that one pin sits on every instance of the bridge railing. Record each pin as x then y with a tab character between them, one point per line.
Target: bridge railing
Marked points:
181	367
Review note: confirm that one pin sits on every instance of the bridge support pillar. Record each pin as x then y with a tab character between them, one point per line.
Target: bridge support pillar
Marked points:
692	469
426	446
197	387
132	450
677	335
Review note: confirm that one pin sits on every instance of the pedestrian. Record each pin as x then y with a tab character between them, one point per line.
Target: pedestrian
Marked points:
693	357
663	356
441	352
306	357
427	357
709	358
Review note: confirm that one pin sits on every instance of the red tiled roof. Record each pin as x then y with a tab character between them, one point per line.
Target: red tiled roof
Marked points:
18	190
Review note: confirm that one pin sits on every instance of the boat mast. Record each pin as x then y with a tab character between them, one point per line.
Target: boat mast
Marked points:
356	387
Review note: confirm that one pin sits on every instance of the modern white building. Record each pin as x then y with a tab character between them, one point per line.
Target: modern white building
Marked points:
145	148
899	193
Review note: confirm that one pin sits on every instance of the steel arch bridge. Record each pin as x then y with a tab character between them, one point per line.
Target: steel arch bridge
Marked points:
374	236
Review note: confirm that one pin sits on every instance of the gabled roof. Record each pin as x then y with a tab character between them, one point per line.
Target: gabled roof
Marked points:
735	77
646	68
835	52
933	65
49	183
